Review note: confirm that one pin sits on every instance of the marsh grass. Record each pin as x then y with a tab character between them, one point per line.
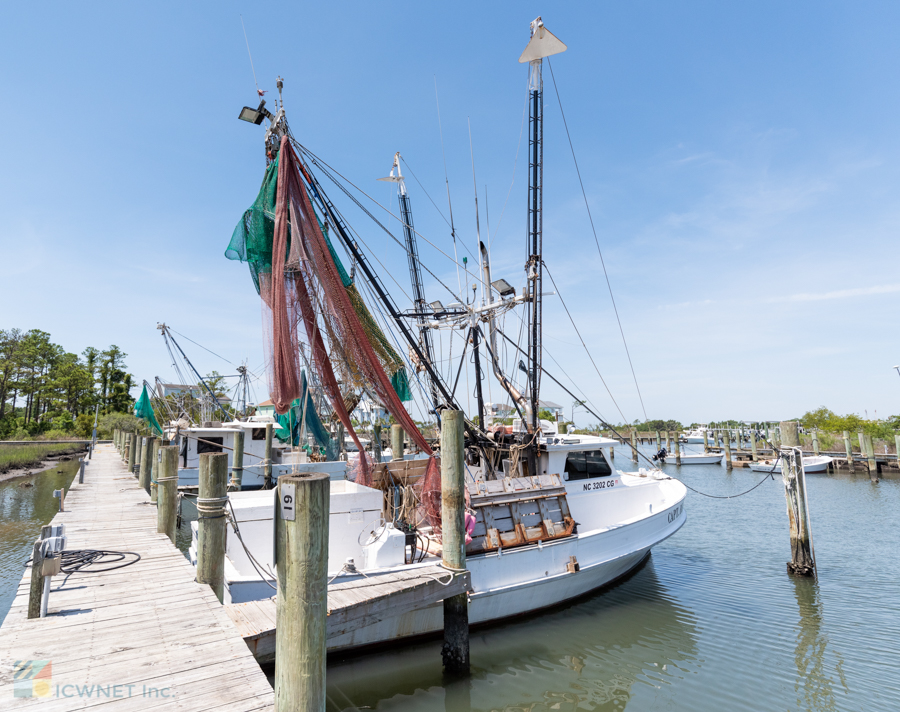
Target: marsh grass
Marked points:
31	455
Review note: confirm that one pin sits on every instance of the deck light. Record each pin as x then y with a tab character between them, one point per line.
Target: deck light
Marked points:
504	287
255	116
436	306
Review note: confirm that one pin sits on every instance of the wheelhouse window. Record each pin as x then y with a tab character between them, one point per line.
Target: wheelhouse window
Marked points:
208	444
585	464
258	434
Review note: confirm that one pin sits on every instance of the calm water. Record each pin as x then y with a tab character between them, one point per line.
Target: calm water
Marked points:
23	510
712	621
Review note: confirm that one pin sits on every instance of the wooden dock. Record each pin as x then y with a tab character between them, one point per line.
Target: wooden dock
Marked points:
354	604
146	636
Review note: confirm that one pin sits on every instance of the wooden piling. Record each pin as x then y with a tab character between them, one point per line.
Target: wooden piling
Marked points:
301	552
726	441
455	652
167	488
132	453
146	463
668	443
753	447
634	450
815	442
705	441
154	470
37	581
870	456
658	441
211	521
848	450
897	448
267	466
237	462
397	442
676	439
802	561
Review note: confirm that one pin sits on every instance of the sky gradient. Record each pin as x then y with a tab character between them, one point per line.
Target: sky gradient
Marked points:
740	162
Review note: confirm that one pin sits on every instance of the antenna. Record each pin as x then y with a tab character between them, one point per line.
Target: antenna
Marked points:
477	218
447	181
258	91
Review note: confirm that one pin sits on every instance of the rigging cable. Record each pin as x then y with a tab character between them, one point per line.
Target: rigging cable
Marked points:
569	314
597	241
609	427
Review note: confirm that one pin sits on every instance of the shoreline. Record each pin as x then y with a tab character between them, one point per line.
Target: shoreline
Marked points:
36	469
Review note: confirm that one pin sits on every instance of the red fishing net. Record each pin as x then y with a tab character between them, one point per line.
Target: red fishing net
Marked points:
305	286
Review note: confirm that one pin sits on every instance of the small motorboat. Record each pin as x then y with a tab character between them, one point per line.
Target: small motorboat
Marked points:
699	458
814	463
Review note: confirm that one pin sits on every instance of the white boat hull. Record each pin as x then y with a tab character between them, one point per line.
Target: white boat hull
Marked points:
707	459
812	464
527	579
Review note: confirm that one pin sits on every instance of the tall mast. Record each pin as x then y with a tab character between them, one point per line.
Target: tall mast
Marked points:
542	44
415	272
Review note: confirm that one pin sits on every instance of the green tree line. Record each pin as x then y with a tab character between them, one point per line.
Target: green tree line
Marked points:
45	388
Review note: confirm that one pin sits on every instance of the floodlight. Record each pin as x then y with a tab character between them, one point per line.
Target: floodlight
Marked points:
504	287
255	116
436	306
251	115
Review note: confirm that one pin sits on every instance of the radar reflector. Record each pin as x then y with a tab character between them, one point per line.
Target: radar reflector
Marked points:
543	43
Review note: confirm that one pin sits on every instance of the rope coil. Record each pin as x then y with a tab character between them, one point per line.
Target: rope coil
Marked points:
211	507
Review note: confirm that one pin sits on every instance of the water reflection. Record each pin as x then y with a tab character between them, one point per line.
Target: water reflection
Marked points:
814	684
26	503
591	654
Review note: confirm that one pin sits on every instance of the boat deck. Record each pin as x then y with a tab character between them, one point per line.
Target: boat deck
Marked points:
140	637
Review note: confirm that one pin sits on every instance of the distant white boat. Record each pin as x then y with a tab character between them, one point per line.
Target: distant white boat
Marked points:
694	436
709	458
814	463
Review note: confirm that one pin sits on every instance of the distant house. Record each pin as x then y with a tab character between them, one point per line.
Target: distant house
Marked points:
554	408
370	411
267	407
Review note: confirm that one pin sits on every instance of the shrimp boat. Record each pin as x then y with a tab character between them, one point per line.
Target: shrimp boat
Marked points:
553	519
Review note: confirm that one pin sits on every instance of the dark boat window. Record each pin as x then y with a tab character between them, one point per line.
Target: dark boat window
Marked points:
208	444
258	434
585	464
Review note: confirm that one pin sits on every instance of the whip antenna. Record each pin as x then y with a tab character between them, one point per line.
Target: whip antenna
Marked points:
260	93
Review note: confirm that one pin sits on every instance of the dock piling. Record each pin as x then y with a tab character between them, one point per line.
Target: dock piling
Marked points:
848	450
870	456
301	552
132	452
658	441
802	561
397	442
167	487
154	470
455	652
815	442
634	450
211	521
677	440
267	467
726	440
753	450
146	463
705	441
237	466
81	464
37	581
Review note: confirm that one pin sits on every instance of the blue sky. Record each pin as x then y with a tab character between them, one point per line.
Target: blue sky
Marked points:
741	164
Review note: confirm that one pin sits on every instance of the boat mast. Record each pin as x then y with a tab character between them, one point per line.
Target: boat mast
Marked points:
415	273
542	44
